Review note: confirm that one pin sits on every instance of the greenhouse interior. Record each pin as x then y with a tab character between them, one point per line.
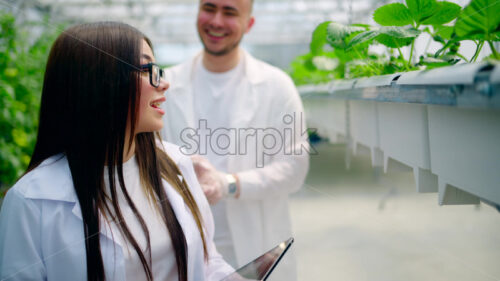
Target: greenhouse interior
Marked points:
401	106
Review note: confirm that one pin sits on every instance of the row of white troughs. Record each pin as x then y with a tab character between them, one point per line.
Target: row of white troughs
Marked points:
443	123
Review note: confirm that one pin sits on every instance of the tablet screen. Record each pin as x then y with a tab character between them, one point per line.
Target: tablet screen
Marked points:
262	266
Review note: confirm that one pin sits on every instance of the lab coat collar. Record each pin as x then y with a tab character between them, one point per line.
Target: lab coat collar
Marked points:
52	180
252	72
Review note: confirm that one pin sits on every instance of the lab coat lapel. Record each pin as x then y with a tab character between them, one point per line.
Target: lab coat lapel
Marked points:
181	109
246	103
185	220
104	225
111	248
179	106
180	209
57	185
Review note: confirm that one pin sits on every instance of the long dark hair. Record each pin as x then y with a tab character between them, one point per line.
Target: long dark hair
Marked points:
90	92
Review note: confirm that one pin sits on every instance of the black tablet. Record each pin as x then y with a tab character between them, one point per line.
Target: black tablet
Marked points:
261	267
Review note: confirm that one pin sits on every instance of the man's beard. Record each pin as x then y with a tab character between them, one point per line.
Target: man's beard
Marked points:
222	52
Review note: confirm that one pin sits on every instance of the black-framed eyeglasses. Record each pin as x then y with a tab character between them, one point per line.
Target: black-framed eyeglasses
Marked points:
155	73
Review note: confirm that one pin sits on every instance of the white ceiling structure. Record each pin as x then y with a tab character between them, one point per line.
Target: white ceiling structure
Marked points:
282	29
283	21
171	23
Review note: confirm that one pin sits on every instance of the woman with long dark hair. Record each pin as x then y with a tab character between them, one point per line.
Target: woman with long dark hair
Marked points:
103	198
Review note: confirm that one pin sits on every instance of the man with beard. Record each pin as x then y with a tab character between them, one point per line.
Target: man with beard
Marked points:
242	120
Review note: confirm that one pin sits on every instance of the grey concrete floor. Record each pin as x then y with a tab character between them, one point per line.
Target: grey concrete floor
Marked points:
361	224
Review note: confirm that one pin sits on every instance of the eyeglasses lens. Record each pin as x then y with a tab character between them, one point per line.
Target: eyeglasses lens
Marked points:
156	75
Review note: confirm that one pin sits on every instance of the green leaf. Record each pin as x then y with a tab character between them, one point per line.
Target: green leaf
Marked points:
421	9
336	33
393	42
400	32
9	90
362	37
390	36
364	26
431	62
480	17
20	137
11	72
396	37
445	12
393	14
444	31
452	58
319	38
496	36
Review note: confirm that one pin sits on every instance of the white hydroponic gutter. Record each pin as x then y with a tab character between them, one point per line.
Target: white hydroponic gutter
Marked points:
444	124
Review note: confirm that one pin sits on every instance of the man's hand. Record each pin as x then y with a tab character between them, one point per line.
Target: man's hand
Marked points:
213	182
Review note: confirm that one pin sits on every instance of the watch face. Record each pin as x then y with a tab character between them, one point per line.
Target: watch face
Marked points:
232	188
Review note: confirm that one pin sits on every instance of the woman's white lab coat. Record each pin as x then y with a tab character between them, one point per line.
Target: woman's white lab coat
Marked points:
42	237
260	218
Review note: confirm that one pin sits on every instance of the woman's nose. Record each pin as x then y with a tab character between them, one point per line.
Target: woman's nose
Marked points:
164	85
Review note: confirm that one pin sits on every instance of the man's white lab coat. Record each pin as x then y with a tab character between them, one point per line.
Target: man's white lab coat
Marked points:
260	218
41	228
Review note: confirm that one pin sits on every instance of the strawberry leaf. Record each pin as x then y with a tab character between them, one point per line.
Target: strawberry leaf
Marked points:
445	12
480	18
421	9
393	14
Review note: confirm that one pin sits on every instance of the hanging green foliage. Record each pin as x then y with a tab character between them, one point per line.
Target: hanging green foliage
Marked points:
22	64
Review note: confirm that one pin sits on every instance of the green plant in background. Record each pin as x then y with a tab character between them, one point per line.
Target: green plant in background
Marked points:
353	42
328	56
400	26
480	22
348	47
393	37
319	65
305	71
22	65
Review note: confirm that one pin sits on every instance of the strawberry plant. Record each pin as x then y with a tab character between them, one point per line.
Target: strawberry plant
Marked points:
399	25
404	22
480	22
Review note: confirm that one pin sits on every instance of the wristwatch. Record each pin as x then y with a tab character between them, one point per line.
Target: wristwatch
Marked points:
231	185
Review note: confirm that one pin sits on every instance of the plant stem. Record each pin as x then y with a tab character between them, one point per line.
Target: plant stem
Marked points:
411	50
403	58
478	50
461	56
413	45
492	47
446	46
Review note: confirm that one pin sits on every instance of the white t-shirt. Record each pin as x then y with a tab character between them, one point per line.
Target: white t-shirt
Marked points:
164	264
214	95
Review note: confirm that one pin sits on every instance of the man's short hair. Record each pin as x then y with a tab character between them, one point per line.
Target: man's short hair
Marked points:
251	6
